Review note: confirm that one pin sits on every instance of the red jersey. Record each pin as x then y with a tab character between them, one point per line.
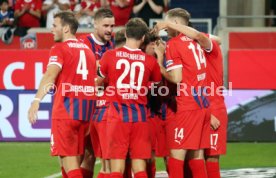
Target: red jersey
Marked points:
74	98
28	20
215	76
183	52
96	46
121	15
128	71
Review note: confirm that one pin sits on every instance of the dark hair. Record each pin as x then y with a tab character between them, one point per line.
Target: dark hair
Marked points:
179	12
136	28
68	18
103	13
150	37
2	1
120	37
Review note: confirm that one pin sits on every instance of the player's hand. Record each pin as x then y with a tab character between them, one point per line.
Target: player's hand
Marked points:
215	123
32	113
160	25
160	47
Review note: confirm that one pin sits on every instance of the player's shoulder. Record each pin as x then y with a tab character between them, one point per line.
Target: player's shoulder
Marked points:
84	37
58	46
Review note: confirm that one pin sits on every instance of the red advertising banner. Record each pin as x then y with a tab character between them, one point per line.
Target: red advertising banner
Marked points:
252	69
22	69
252	40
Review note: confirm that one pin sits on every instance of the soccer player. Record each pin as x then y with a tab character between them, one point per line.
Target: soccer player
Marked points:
217	107
99	42
71	69
102	38
186	65
128	71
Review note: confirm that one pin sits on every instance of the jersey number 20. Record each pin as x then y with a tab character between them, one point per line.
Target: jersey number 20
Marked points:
130	69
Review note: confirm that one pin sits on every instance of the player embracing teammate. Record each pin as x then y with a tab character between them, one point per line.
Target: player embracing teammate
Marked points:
120	119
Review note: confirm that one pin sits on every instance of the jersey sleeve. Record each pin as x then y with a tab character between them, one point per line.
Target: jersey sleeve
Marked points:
56	56
103	66
173	58
215	49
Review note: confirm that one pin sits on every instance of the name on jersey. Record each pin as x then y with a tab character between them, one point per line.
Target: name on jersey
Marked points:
185	38
130	56
130	96
77	45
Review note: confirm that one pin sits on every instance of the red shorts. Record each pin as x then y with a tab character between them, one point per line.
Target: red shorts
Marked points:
218	137
68	137
124	137
158	133
98	132
189	130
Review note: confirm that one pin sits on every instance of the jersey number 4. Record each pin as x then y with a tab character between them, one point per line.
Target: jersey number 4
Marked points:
82	67
130	69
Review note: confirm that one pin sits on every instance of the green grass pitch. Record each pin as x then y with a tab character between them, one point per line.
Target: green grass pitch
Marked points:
25	160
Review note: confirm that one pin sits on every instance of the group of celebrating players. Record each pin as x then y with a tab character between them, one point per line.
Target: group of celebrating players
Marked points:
99	111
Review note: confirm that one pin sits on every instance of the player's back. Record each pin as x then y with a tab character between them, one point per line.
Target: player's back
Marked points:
215	75
186	53
129	71
75	83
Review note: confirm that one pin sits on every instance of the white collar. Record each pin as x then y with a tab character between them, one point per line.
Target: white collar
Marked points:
96	41
130	49
71	39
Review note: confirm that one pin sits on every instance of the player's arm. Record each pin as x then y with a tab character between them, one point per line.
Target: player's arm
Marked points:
215	38
102	69
172	76
45	85
192	33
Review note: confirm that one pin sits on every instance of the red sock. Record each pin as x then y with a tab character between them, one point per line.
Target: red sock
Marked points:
127	173
198	168
76	173
187	170
213	170
86	173
64	175
141	174
101	175
153	169
116	175
175	168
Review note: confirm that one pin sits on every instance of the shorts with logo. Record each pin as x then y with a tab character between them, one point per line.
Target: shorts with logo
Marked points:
68	137
218	138
189	130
